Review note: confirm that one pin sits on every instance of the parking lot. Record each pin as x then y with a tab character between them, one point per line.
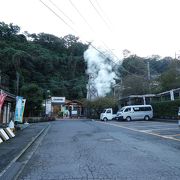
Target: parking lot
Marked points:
160	129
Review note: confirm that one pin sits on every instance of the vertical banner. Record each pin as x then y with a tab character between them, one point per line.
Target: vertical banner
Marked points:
20	105
2	98
23	106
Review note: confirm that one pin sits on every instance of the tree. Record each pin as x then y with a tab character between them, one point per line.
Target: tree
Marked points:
34	98
133	85
96	107
170	79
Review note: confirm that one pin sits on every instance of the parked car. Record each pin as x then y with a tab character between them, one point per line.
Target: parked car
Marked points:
135	112
107	114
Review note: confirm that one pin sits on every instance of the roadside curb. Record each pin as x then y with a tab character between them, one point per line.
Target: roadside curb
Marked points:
22	151
165	120
43	134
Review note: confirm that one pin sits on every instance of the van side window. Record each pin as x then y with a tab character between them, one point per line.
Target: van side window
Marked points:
147	109
108	111
127	109
136	109
142	108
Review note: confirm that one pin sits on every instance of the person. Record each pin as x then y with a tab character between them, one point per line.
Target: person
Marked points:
78	112
70	111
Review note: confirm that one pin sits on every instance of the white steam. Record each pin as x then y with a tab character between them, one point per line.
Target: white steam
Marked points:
101	69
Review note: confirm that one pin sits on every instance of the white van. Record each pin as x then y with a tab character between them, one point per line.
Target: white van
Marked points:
135	112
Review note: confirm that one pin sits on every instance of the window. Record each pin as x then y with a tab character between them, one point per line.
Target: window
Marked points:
108	111
147	108
142	108
136	109
127	109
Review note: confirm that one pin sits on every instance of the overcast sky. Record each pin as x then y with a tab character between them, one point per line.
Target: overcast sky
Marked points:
145	27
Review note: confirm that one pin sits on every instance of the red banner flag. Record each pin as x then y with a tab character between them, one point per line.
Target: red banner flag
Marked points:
2	98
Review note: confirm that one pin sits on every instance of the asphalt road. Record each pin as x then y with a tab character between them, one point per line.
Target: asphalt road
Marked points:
81	150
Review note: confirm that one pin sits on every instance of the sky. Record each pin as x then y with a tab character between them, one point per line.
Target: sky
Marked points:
144	27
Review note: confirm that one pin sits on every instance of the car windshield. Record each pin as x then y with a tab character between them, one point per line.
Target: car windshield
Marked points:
121	110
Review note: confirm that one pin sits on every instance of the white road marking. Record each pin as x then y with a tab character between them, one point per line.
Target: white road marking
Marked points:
162	129
154	125
136	130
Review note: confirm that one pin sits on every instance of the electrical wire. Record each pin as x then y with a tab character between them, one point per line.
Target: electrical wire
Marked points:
100	15
55	5
74	6
80	14
115	63
102	11
59	17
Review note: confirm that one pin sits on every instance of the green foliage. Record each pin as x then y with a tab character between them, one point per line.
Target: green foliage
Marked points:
166	109
170	79
134	85
48	61
165	75
96	107
34	98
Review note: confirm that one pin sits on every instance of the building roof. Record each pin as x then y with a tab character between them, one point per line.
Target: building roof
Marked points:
138	96
10	97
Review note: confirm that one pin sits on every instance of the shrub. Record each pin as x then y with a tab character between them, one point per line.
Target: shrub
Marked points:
166	109
95	107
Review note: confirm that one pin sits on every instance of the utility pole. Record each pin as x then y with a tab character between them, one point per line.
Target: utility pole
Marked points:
149	76
0	78
17	83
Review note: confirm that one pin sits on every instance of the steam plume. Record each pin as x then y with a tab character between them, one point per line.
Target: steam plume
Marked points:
101	68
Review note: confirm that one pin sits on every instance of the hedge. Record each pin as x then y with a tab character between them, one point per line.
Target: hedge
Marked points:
166	109
95	107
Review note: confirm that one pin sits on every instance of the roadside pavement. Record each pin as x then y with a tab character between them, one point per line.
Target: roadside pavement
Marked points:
165	120
14	148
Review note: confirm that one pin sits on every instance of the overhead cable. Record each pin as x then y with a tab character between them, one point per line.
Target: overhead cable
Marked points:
77	33
100	15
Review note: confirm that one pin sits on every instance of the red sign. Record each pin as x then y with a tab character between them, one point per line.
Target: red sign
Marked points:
2	98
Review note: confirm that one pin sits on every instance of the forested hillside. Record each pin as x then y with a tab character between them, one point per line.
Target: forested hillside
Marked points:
137	78
42	60
35	63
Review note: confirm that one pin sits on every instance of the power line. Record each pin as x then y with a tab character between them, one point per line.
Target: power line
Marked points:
102	11
80	14
59	17
81	17
69	25
99	14
74	6
55	5
77	33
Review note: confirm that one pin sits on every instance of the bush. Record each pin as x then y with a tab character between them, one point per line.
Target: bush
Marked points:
166	109
95	107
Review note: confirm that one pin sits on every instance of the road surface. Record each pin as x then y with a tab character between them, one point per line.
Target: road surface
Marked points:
85	149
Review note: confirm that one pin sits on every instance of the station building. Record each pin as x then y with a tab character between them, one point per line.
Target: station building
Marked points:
60	107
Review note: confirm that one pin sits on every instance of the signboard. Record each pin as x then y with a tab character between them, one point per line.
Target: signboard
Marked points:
74	112
59	100
48	106
179	112
20	105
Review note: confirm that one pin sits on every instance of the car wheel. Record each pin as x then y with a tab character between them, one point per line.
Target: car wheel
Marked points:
146	118
128	118
105	119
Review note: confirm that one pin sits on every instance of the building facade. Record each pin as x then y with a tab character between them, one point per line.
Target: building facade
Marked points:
8	108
